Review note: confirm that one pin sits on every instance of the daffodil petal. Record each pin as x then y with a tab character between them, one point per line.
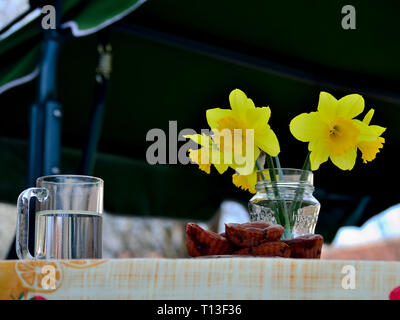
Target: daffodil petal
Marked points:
221	168
350	106
366	132
368	117
307	126
378	129
200	139
201	157
327	106
240	103
258	117
214	115
319	153
244	165
218	160
264	137
268	142
345	161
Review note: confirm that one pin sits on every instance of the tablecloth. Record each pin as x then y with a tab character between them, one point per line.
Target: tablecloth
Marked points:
213	278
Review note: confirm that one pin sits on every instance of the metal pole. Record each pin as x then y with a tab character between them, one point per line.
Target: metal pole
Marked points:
45	118
45	114
103	70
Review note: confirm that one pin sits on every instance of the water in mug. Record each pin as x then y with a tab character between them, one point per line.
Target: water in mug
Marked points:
64	234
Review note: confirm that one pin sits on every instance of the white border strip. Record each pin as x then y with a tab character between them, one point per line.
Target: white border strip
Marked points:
80	33
20	81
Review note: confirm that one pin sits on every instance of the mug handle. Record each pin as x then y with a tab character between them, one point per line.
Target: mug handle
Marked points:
22	234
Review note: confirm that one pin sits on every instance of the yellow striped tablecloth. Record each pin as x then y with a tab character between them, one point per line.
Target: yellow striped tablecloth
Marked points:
219	279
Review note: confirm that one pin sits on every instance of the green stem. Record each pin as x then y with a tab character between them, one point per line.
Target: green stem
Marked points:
281	210
297	201
280	174
278	165
266	191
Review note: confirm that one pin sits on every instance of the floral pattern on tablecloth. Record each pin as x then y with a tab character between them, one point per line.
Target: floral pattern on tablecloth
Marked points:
23	279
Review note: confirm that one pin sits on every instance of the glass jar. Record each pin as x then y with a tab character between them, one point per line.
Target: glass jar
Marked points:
285	197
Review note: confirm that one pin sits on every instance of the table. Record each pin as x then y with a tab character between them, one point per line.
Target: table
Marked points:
384	250
204	278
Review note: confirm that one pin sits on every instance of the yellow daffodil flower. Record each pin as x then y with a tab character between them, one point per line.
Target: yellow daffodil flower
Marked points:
206	155
243	118
369	149
246	182
332	132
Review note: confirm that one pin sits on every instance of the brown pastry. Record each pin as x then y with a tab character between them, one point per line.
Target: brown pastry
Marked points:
267	249
252	234
308	246
200	242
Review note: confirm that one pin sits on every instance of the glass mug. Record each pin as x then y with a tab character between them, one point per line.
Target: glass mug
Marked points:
68	222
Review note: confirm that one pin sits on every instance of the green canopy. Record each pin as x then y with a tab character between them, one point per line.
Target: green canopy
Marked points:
82	17
174	59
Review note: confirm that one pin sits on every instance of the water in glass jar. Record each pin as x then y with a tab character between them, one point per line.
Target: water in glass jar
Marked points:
65	234
303	221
